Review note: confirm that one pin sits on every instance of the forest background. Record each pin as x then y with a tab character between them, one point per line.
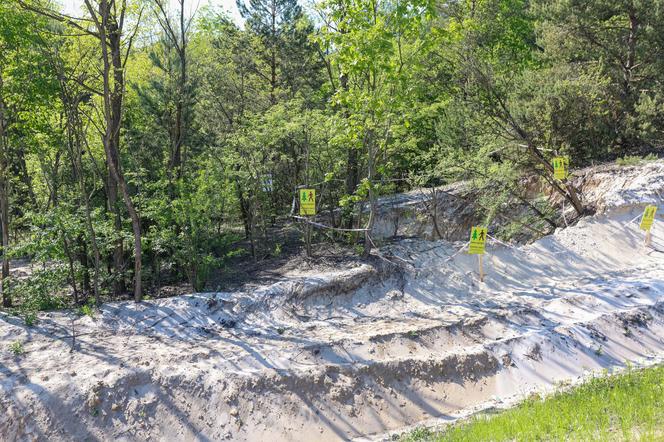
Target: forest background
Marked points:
147	143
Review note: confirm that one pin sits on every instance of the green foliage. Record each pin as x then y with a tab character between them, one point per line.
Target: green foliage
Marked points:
87	310
566	110
182	235
29	317
16	348
635	160
622	41
356	99
604	408
420	434
42	290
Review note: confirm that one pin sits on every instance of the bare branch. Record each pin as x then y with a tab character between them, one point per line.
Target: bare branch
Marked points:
62	18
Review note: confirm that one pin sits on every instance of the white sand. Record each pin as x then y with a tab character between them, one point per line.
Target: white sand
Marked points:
353	353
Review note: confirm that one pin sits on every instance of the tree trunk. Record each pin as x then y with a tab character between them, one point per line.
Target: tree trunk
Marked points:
183	99
273	53
177	129
352	168
371	157
4	217
70	261
25	176
118	251
85	264
4	198
77	148
110	36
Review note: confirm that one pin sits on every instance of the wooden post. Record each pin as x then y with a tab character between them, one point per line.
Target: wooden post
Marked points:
481	268
648	238
307	237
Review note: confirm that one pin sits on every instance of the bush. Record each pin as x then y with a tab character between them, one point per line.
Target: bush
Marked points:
29	317
16	348
635	160
41	291
87	310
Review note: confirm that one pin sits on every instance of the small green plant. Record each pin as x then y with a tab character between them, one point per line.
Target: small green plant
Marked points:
94	411
29	317
635	160
277	249
413	334
599	351
87	310
419	434
16	348
281	330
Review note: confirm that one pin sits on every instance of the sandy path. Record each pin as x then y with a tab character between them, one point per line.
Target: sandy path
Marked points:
345	354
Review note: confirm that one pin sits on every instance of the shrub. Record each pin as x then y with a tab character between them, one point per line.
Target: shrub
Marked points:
635	160
41	290
87	310
29	317
16	348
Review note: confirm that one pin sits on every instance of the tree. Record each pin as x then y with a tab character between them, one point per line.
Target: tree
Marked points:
274	23
25	85
623	41
72	97
374	46
176	37
107	24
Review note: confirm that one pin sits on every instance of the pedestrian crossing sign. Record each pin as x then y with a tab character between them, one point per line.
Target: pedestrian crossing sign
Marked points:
307	202
648	218
477	240
560	167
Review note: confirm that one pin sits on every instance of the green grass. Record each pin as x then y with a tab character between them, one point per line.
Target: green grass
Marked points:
16	348
635	160
629	406
87	310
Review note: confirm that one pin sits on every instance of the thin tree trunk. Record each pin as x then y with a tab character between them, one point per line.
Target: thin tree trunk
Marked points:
85	264
76	149
72	272
4	198
372	196
352	167
110	37
273	53
25	176
118	251
75	145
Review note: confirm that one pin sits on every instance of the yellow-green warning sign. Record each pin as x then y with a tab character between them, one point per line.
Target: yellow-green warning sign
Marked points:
648	217
307	202
477	240
560	167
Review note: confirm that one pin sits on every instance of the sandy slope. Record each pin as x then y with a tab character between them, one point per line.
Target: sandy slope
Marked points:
350	353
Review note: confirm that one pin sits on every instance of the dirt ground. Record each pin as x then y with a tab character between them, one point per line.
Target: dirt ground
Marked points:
351	349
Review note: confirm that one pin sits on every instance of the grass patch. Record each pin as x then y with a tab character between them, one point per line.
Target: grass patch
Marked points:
634	160
16	348
87	310
629	406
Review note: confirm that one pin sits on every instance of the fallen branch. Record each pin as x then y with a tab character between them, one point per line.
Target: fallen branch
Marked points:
323	226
